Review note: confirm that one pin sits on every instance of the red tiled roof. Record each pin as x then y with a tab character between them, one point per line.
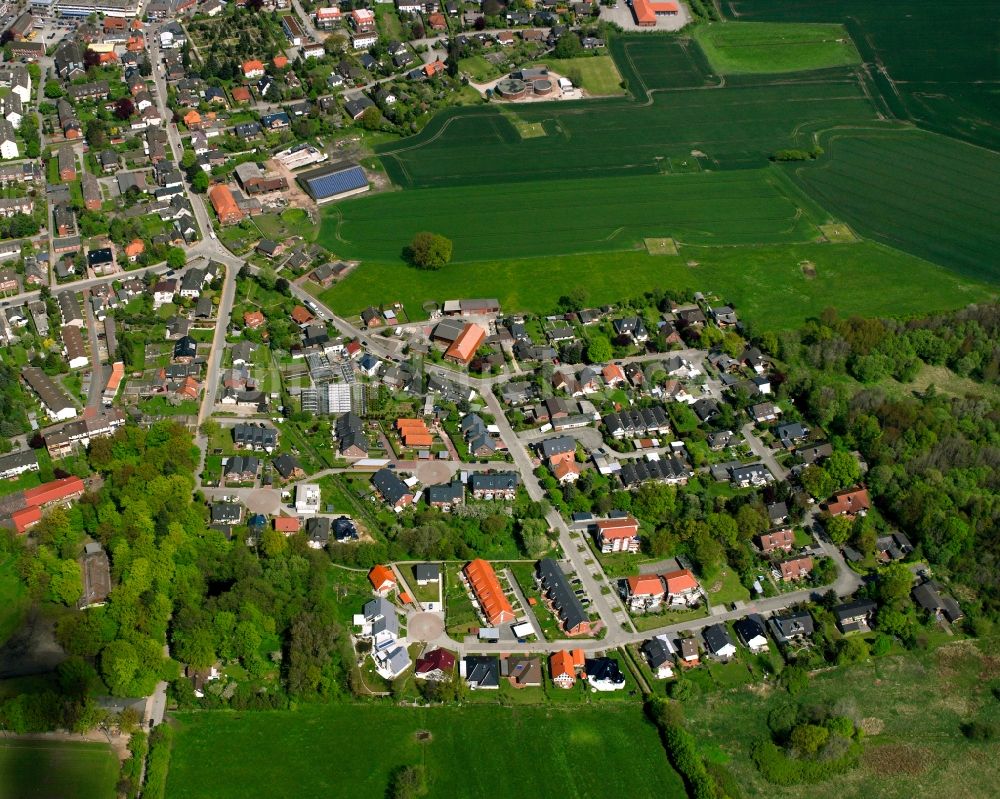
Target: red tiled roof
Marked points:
777	539
486	587
646	10
380	575
25	518
850	501
53	491
680	581
464	347
613	529
796	568
241	94
223	201
253	65
435	659
645	585
561	664
301	315
286	524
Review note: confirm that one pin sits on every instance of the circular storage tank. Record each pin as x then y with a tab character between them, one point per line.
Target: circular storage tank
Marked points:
512	88
542	87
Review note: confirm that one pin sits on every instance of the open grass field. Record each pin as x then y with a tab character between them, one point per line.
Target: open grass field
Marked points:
565	216
597	74
476	751
767	284
920	192
917	701
56	770
936	65
479	69
735	126
772	47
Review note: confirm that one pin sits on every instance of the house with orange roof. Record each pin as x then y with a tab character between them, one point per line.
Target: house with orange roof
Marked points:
682	587
437	22
108	58
254	319
850	503
564	666
61	490
192	119
241	94
613	375
114	381
796	569
775	540
286	524
435	67
643	593
135	44
301	315
566	471
463	348
488	592
253	69
280	61
190	388
382	579
225	206
134	249
618	535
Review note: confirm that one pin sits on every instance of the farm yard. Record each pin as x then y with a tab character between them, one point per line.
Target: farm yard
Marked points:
478	750
56	770
911	705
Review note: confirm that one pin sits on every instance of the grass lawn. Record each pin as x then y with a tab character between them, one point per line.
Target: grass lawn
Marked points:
473	751
479	69
423	593
56	770
766	284
769	47
158	406
912	705
726	587
597	74
19	483
460	617
389	23
290	222
13	598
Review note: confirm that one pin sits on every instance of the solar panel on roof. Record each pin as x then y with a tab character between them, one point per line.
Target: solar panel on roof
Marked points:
338	182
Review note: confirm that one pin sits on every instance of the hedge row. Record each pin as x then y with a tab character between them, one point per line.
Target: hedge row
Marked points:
131	772
159	762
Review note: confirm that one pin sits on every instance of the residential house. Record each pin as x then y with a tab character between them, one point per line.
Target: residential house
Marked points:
493	485
718	642
566	605
383	580
659	654
393	491
492	600
604	674
776	540
930	597
480	672
752	632
791	626
855	616
796	568
436	664
618	535
852	502
565	665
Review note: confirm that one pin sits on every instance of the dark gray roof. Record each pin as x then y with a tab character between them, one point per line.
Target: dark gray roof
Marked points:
716	637
389	486
567	604
656	652
427	571
482	670
493	481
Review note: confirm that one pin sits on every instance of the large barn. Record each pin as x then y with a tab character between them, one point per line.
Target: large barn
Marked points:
333	182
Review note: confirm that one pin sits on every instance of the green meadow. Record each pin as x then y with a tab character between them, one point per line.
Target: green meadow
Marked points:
473	752
775	287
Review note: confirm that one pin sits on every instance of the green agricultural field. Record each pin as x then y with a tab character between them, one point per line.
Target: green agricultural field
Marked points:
56	770
597	74
936	65
348	751
912	706
772	47
738	125
775	287
920	192
560	217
